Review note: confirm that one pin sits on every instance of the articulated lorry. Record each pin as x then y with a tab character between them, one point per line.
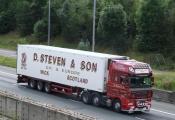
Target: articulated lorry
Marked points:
98	79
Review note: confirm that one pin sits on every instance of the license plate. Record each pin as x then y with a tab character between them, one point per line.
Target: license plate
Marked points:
140	103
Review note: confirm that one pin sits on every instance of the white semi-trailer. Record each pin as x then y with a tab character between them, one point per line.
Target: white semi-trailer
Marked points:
88	74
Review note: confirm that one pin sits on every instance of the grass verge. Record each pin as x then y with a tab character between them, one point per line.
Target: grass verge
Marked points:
165	80
7	61
12	39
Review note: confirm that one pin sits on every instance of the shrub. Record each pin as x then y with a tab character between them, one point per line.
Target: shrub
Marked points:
40	30
84	45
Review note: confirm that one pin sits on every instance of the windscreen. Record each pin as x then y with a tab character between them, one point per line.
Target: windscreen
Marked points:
140	82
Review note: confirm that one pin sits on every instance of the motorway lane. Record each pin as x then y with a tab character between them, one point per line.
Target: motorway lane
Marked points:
8	53
160	110
60	101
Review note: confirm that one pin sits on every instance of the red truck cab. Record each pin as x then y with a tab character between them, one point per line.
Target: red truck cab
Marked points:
129	85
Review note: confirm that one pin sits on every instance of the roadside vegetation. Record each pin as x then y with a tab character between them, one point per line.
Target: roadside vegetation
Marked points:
7	61
165	80
141	29
121	25
12	39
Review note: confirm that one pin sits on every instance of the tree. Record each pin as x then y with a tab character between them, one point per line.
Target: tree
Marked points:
4	5
7	16
55	18
37	8
112	27
152	27
40	30
28	13
130	6
76	19
171	26
24	18
7	21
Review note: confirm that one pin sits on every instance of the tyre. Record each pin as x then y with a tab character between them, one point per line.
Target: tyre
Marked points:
86	98
47	87
96	99
32	84
116	106
40	85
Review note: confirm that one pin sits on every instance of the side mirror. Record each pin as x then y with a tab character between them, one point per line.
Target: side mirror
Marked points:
152	81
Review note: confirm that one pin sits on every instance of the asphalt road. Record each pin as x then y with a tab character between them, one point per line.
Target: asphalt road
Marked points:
159	111
8	53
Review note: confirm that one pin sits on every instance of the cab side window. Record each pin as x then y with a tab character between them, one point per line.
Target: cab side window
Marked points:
123	81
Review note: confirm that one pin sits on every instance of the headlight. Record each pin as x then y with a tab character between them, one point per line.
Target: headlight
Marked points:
131	69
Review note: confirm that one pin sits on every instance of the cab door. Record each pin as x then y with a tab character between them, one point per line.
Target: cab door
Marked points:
113	86
117	84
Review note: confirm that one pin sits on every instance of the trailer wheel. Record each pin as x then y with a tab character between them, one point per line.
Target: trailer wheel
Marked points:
47	87
116	105
40	85
32	84
86	98
96	99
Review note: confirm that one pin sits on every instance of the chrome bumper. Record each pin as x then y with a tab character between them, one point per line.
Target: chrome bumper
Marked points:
135	109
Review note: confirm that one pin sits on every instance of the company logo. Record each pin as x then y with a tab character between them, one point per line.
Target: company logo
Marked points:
23	61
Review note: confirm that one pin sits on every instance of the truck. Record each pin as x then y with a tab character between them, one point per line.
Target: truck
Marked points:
118	82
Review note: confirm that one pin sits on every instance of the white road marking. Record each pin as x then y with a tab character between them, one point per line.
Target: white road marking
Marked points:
5	74
9	80
9	77
163	112
8	53
139	118
76	101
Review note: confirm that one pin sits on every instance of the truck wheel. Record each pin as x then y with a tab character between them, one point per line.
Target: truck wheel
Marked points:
116	106
40	85
86	98
47	87
96	99
32	83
